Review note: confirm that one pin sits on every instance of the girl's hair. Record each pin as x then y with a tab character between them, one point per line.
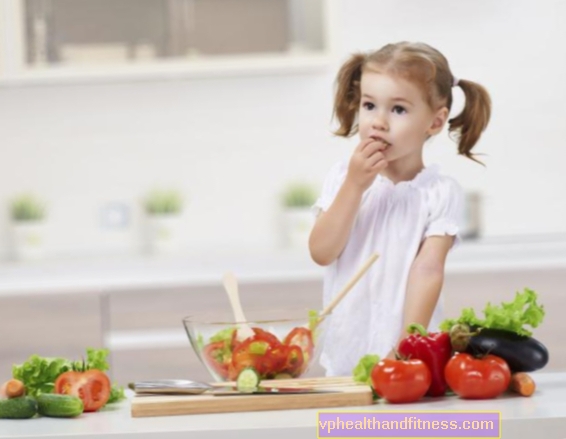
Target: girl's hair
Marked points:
429	69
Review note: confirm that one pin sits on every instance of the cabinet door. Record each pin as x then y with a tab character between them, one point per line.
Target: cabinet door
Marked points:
114	32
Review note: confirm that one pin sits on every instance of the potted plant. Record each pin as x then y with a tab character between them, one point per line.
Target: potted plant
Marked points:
163	210
298	218
28	227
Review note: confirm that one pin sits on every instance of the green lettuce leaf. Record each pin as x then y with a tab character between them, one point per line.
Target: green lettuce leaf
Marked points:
224	335
116	394
510	316
362	371
39	373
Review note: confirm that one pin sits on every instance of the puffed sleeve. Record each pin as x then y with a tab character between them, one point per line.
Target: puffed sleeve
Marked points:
446	204
330	187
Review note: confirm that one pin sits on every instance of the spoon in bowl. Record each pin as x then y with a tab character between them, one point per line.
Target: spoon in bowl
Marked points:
231	286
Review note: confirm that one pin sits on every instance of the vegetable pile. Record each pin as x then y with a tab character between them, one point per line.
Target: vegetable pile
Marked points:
472	357
58	387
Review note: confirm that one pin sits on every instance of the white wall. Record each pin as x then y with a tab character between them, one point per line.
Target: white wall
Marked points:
232	144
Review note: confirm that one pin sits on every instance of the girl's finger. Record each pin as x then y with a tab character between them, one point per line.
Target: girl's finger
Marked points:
365	143
379	164
371	149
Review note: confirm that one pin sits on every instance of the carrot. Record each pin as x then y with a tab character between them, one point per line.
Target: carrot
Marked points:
522	383
14	388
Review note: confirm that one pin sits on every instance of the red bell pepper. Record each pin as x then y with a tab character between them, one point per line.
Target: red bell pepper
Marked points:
434	349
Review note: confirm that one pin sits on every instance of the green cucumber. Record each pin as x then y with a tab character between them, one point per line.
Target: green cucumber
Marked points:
248	380
59	406
22	407
258	348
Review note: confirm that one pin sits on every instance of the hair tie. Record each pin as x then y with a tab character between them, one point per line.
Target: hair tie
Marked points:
455	82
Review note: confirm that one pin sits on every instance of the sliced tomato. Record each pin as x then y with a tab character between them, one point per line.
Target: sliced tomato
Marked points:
213	356
260	355
234	342
92	387
294	361
302	338
262	334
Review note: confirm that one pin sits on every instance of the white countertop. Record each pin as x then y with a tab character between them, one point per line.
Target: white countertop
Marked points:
130	273
542	415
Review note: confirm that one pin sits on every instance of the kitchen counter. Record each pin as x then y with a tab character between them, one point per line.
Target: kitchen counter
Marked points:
132	273
542	415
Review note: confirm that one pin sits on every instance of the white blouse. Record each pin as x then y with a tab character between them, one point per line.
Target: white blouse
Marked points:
393	220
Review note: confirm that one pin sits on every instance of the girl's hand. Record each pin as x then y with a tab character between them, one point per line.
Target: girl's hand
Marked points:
367	161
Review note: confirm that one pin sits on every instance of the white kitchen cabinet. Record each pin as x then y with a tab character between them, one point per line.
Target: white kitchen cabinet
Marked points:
47	41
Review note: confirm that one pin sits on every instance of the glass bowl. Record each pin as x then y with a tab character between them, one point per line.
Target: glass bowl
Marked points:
275	348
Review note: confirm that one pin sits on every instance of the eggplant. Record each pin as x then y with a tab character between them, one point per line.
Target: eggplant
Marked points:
522	353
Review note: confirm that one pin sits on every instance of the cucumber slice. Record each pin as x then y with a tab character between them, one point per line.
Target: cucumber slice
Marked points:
248	380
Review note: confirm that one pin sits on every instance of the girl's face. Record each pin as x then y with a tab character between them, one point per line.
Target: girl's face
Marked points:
393	111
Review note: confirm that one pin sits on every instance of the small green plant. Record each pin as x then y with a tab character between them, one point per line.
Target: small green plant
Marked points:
299	195
27	207
163	202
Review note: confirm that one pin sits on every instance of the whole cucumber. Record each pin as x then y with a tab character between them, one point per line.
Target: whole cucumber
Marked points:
522	354
59	406
22	407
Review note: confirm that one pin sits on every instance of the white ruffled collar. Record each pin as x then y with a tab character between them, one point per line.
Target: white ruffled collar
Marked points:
422	179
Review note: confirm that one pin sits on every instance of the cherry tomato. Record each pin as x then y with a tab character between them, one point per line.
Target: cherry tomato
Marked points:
477	378
302	338
92	386
213	356
400	381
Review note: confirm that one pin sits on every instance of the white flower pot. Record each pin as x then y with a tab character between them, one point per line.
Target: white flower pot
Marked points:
28	239
297	225
163	233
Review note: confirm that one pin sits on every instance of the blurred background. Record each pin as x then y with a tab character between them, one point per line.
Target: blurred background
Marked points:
148	146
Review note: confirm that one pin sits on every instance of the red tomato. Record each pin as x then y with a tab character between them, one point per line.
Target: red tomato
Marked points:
92	386
256	354
261	334
477	378
213	353
302	338
400	381
294	361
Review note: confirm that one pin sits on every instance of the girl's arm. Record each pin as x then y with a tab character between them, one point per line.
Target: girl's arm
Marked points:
332	228
426	277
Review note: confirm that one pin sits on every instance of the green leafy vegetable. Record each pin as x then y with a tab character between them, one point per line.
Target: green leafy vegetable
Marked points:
510	316
116	394
313	319
224	335
39	373
362	371
200	342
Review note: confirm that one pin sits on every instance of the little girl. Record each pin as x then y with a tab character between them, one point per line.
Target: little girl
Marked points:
383	199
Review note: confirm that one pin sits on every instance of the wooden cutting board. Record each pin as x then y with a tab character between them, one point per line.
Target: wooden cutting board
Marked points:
348	394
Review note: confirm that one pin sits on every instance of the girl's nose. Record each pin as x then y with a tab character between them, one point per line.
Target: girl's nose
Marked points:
380	122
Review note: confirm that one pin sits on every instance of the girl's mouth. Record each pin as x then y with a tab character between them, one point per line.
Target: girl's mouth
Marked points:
382	141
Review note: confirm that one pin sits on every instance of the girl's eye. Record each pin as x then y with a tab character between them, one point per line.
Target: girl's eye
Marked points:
368	105
399	110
